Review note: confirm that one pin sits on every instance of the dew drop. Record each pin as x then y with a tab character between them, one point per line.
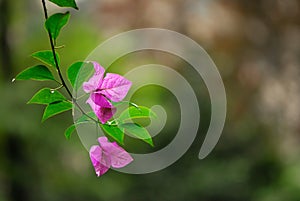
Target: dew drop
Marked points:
52	91
14	79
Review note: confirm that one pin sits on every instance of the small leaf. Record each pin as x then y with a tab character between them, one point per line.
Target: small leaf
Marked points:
56	108
65	3
73	71
39	72
115	132
86	117
136	112
69	131
137	131
56	22
46	96
84	68
122	102
46	57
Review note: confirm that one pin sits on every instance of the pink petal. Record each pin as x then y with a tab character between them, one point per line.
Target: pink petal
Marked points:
100	163
95	154
101	169
94	107
106	114
100	100
103	113
115	87
118	156
103	140
95	81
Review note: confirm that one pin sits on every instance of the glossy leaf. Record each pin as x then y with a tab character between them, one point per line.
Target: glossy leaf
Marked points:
69	131
56	108
85	69
46	96
81	120
73	71
137	131
65	3
56	22
39	72
115	132
86	117
46	57
124	102
136	112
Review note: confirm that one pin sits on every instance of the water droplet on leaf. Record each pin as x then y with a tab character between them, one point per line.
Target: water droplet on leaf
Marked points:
14	79
52	91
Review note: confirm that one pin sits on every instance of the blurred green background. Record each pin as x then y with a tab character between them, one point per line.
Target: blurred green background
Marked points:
256	47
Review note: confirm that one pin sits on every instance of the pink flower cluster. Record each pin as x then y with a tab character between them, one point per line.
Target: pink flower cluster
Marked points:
112	87
107	154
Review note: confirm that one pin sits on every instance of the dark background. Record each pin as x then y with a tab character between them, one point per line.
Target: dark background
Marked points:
256	47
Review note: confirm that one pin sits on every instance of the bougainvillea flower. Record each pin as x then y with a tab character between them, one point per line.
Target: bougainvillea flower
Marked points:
104	112
112	87
108	154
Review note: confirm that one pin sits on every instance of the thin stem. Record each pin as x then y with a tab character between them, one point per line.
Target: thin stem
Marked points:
77	98
57	88
59	47
57	82
97	128
53	52
57	65
130	103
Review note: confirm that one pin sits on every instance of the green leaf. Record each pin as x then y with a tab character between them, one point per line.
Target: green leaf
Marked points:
46	96
69	131
65	3
115	132
73	71
85	118
56	108
39	72
136	112
56	22
46	57
84	68
81	120
137	131
122	102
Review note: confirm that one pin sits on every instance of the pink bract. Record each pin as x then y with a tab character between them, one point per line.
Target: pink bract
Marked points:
108	154
112	87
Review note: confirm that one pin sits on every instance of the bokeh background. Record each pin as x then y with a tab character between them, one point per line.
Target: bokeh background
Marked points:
256	47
